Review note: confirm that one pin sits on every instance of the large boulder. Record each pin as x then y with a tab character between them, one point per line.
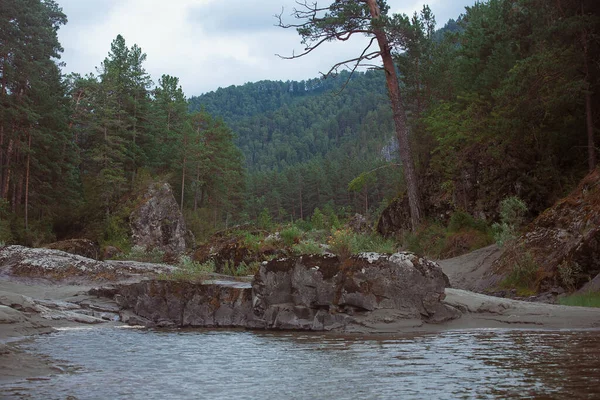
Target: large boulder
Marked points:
324	293
366	293
564	241
157	223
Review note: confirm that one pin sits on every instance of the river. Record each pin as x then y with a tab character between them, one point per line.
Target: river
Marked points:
113	363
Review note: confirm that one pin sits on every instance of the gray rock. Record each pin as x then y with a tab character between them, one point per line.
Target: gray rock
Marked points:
369	292
157	222
56	265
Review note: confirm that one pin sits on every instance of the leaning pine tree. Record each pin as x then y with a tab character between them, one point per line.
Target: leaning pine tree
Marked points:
343	19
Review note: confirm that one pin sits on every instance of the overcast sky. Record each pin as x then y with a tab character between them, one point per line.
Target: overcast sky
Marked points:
208	43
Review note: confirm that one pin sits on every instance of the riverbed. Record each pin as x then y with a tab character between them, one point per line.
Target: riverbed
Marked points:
117	363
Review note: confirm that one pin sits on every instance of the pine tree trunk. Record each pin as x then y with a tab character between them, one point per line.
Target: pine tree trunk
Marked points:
182	183
400	122
1	161
27	182
9	152
589	115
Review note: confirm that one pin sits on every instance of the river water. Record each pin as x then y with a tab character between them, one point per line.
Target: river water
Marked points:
111	363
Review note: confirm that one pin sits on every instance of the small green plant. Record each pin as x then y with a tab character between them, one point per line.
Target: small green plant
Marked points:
568	271
512	213
591	299
139	253
344	243
308	246
116	232
264	219
252	242
291	235
244	269
190	270
318	219
523	275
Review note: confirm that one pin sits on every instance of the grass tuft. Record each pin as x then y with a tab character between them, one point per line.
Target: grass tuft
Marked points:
591	299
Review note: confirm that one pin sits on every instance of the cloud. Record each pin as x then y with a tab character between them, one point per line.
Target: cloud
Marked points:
206	43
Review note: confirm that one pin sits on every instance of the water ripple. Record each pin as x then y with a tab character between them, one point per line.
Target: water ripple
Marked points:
204	364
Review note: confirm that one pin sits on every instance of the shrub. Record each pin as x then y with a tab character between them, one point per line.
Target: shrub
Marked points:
591	299
523	275
568	272
512	213
344	243
264	219
307	247
190	270
251	242
291	235
116	232
139	253
461	220
318	219
303	225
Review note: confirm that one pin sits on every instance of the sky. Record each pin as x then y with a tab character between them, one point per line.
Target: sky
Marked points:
209	44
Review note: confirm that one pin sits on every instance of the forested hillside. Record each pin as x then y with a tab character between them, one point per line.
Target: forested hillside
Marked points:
74	148
501	102
304	142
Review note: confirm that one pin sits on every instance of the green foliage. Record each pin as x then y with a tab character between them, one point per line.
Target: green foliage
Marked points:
461	220
116	233
139	253
308	246
291	235
569	271
189	270
252	242
242	269
523	274
463	234
512	212
6	235
264	219
318	219
591	299
345	242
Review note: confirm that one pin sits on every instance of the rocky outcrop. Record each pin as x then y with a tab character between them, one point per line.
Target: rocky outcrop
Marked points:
157	223
188	304
80	247
55	265
369	292
564	241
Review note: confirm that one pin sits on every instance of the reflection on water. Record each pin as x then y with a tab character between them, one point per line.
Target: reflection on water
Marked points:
146	364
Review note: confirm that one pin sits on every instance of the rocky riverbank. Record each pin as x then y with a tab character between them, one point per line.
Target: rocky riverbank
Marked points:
42	290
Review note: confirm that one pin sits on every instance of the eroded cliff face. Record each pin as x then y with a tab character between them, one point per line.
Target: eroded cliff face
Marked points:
564	241
318	293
